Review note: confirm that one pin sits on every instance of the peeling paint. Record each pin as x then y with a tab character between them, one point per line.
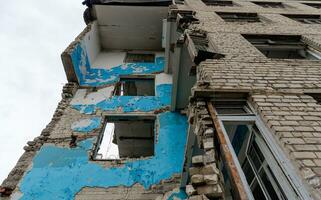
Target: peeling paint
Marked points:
59	173
131	103
86	125
88	76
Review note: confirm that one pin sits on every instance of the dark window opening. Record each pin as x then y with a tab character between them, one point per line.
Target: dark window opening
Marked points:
232	104
306	19
204	50
126	137
239	17
283	47
139	58
314	5
315	96
266	4
218	3
135	87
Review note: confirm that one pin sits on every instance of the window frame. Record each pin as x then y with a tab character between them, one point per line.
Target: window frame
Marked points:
286	43
280	158
304	19
240	17
119	87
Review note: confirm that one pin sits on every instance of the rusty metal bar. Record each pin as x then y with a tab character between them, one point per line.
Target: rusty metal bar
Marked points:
227	157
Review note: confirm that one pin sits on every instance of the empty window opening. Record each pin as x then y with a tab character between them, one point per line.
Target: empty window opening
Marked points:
239	17
266	4
218	3
306	19
143	86
283	47
315	96
139	58
126	137
314	5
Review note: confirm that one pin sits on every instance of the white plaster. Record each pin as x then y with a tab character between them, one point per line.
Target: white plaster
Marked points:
17	195
130	27
92	42
163	78
107	60
82	123
81	96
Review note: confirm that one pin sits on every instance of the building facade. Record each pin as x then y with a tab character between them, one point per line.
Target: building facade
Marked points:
194	99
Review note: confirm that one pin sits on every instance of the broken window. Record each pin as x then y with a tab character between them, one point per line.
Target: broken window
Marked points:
306	19
266	4
314	5
135	86
239	17
283	47
126	137
139	58
218	3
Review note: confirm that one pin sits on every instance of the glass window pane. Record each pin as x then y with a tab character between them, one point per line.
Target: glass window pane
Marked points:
257	191
255	159
258	151
248	171
268	186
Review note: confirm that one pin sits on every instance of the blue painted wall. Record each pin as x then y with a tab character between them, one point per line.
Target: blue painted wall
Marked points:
59	173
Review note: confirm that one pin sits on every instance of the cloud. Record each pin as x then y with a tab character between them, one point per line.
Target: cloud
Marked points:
33	35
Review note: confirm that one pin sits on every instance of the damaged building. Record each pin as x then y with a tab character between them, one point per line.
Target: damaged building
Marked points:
173	100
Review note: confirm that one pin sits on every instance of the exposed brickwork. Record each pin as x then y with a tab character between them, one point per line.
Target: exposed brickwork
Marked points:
161	191
268	75
206	180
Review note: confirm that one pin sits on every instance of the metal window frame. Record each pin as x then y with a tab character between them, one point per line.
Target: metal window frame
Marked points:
281	159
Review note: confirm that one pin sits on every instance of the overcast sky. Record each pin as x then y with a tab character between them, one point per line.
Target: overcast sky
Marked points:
33	34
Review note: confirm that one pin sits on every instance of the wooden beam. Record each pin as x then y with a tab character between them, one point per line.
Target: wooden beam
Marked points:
235	178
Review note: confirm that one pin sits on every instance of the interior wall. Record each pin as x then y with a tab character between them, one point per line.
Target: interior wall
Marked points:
132	147
114	58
